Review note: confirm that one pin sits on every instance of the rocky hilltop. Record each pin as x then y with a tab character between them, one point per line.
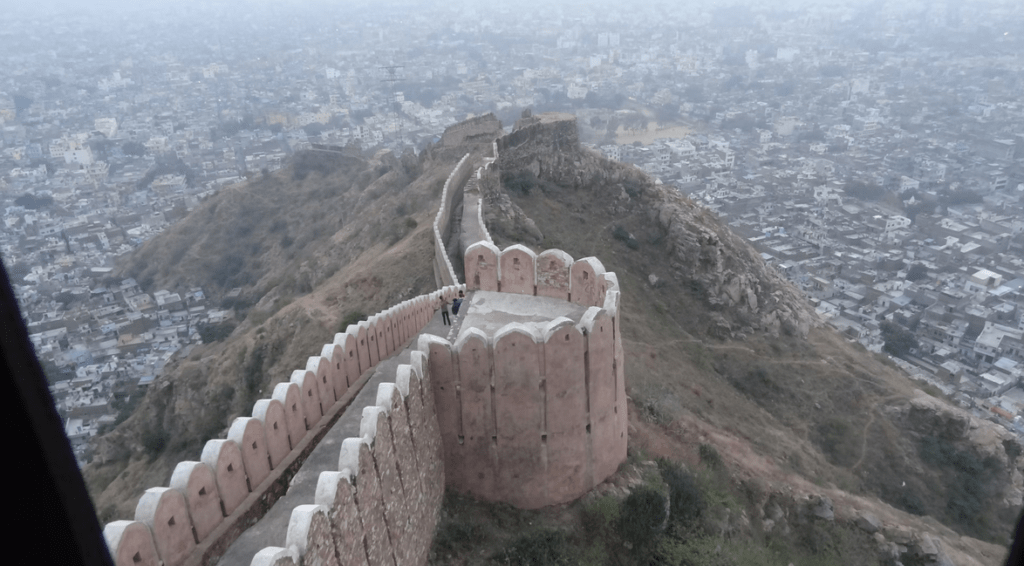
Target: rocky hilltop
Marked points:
723	349
701	251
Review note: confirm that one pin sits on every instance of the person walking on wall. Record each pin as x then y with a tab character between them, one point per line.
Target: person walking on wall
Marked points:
445	319
457	303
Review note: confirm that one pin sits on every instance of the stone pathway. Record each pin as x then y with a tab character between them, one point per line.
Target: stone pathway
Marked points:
272	528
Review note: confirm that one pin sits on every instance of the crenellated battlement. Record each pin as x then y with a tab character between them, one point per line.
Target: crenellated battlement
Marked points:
236	479
527	406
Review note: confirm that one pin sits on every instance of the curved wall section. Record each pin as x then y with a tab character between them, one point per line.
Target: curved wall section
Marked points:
238	478
442	222
382	502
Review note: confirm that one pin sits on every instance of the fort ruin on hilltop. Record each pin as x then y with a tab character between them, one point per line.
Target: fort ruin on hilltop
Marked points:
523	402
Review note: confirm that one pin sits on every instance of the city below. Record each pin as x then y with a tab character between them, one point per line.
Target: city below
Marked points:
874	159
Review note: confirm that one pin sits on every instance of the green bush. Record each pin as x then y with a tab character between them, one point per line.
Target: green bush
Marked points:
642	517
154	440
710	457
351	317
600	515
623	235
686	501
454	537
539	548
211	333
521	182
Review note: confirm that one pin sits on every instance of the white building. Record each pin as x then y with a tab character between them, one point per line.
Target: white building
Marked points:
896	223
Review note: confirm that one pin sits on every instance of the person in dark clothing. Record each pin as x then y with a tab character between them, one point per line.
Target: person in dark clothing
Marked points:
445	319
457	303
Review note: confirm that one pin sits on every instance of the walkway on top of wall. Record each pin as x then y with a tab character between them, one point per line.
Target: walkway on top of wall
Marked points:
272	528
473	230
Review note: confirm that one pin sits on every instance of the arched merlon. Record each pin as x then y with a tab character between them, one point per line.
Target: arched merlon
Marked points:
336	493
309	533
131	543
224	457
482	267
473	463
553	274
350	355
333	356
356	460
585	288
195	480
165	512
519	416
309	396
321	369
517	270
276	556
248	434
290	396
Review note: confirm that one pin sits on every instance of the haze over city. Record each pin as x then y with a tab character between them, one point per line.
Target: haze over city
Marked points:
871	153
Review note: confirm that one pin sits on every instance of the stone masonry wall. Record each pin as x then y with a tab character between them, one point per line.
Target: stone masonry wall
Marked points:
456	135
453	186
210	501
382	504
533	415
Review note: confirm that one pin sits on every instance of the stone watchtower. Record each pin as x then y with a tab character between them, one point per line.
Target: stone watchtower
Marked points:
531	399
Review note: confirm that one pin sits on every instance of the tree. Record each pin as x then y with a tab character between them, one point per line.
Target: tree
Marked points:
133	148
898	340
917	272
21	103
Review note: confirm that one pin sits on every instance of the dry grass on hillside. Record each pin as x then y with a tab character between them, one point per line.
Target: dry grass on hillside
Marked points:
361	242
813	407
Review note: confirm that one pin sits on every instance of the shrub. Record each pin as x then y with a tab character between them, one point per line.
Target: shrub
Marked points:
351	317
686	501
642	517
600	515
211	333
710	457
454	537
539	548
521	182
154	440
623	235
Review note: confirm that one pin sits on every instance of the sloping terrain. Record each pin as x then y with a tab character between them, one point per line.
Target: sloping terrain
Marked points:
722	351
329	236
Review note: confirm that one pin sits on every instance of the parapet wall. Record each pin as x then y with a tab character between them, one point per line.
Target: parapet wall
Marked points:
211	501
451	194
456	134
541	134
382	504
533	415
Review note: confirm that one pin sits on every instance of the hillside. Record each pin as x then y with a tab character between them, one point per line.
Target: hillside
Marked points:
722	351
327	237
726	361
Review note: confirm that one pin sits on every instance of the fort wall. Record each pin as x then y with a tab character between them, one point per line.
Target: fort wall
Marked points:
382	503
533	415
450	195
211	501
541	134
457	134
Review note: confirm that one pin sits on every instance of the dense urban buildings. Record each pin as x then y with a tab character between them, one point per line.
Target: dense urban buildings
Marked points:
874	154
